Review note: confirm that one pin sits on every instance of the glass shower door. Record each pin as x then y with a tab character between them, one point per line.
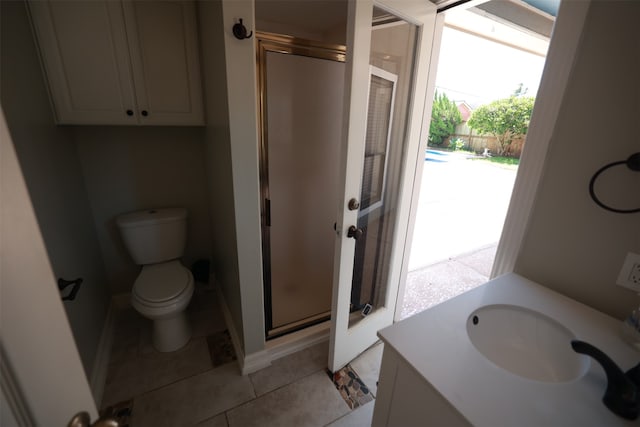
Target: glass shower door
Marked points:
302	134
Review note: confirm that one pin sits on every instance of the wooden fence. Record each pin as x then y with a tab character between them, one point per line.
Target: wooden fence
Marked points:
477	143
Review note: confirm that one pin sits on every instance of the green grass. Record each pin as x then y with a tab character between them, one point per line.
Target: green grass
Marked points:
506	161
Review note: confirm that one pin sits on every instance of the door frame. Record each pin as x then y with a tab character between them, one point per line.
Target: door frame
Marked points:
563	46
279	43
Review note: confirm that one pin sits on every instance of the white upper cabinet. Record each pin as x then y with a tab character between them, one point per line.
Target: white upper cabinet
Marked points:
120	63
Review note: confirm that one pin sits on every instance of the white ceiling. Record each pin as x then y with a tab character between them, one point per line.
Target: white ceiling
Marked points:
321	15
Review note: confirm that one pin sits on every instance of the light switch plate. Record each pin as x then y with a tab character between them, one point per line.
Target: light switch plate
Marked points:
629	276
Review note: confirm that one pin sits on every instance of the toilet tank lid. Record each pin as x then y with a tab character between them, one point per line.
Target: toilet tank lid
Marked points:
150	217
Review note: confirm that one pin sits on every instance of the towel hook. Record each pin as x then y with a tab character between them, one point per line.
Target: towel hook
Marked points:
62	284
240	31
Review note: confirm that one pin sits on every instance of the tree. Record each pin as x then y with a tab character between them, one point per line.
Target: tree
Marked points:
506	119
445	116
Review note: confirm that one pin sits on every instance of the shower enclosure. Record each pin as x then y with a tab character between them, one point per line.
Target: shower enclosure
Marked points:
301	101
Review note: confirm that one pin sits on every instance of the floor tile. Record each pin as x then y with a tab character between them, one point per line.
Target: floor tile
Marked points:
309	402
359	417
290	368
352	389
217	421
194	399
367	365
126	335
220	348
121	412
153	369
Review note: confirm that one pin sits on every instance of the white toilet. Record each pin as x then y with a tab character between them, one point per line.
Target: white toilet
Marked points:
155	239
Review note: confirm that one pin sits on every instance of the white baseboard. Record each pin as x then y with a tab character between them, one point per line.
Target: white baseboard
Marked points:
101	361
297	341
275	348
254	362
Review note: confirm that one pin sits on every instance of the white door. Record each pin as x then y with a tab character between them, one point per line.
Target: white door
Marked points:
384	122
41	376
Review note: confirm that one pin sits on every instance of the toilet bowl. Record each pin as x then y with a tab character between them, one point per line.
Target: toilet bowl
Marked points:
161	293
155	239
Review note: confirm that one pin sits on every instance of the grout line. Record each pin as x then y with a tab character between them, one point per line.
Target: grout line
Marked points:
470	267
373	402
178	380
287	384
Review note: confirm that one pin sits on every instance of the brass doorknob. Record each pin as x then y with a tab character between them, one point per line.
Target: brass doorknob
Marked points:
82	419
355	232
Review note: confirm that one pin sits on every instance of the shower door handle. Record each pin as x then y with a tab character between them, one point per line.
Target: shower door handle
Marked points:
355	232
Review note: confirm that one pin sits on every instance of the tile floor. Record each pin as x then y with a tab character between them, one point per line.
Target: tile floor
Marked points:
200	385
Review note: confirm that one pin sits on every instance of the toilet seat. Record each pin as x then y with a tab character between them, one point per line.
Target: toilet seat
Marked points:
163	284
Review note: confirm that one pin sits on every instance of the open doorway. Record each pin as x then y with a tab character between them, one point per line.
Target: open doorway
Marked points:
470	170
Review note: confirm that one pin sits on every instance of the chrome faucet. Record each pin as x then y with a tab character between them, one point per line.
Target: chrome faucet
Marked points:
622	395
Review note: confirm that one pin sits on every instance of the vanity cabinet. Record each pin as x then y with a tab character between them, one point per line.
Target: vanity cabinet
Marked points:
120	62
404	398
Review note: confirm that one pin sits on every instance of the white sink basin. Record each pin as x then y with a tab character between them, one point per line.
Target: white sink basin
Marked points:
526	343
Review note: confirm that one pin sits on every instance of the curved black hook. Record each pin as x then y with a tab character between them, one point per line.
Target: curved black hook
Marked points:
62	284
240	31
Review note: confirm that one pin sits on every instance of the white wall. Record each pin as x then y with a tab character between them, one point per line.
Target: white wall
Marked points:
318	20
240	61
128	168
48	157
571	244
218	158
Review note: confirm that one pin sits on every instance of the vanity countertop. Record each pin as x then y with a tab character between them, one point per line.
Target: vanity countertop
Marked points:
435	343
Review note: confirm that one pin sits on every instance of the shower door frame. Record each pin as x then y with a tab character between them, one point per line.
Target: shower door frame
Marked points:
278	43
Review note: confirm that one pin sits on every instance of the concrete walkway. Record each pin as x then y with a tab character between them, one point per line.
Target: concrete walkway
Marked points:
439	282
460	215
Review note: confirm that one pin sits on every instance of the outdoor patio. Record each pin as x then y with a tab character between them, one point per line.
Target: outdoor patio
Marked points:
439	282
460	215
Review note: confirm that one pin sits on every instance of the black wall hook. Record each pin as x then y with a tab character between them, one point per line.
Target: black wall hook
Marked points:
240	31
62	284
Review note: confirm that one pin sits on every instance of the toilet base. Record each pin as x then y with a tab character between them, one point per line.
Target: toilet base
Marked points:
171	333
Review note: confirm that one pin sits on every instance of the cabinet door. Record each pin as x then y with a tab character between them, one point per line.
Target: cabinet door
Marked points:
86	59
164	52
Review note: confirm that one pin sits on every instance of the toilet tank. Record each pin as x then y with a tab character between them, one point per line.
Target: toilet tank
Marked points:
154	235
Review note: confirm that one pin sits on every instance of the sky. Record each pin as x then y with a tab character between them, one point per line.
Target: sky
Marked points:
478	71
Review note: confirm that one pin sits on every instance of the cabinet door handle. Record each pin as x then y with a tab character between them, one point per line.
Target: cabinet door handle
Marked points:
129	112
145	113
